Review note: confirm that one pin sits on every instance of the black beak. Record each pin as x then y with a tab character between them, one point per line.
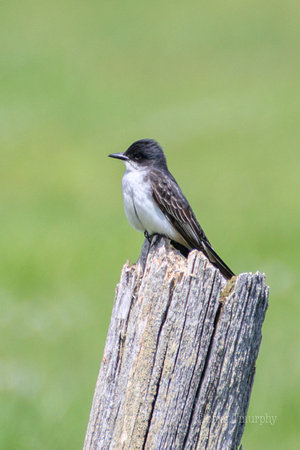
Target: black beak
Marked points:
119	156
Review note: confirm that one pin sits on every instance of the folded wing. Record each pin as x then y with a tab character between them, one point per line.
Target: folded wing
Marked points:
170	199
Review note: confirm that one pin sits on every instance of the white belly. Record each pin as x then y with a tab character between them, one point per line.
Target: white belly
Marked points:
140	208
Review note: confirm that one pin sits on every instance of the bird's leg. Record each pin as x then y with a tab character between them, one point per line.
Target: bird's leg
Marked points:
146	234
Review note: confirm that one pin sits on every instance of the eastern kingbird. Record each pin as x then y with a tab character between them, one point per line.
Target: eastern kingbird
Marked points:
155	204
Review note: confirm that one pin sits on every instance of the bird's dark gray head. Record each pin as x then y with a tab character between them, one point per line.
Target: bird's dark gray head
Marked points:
143	153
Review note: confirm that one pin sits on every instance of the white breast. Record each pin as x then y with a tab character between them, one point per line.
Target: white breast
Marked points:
134	190
141	210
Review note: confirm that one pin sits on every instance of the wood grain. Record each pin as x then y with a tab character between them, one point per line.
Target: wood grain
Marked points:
179	359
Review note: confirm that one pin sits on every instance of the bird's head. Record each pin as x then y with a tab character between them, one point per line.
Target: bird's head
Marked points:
142	154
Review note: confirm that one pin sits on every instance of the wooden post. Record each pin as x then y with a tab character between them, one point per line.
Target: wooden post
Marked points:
179	359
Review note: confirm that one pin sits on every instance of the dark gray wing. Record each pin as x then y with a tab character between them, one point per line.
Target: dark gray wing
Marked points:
170	199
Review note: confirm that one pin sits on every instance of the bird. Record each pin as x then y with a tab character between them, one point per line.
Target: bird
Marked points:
155	204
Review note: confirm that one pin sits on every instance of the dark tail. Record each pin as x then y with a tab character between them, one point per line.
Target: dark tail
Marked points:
217	261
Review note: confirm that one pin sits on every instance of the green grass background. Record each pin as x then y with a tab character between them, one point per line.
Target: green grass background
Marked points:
218	85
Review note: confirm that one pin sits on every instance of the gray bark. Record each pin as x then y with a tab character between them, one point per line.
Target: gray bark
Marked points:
179	359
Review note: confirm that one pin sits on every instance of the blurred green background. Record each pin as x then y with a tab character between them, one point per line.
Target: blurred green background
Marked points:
218	85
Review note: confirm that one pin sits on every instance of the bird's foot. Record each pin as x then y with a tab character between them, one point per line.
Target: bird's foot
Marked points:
150	236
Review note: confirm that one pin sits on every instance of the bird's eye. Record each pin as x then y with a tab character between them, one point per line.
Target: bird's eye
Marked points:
137	156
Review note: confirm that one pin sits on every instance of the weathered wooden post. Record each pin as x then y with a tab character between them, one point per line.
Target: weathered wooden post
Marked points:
179	359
